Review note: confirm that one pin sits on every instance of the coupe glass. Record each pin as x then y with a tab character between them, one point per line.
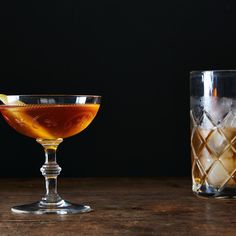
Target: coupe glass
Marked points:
49	119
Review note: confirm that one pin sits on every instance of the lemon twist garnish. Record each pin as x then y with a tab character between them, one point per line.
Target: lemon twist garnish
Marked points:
4	99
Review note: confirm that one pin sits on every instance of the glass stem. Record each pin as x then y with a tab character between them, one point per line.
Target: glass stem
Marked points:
50	170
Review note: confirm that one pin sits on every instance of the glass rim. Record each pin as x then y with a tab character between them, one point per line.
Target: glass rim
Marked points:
54	95
212	71
80	99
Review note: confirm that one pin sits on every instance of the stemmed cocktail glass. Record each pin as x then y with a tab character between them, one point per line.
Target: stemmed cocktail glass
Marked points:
49	119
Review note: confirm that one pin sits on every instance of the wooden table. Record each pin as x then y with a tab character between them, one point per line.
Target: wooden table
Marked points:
122	206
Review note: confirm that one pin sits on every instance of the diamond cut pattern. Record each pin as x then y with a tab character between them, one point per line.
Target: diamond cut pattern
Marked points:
217	142
214	148
214	178
228	160
197	142
206	158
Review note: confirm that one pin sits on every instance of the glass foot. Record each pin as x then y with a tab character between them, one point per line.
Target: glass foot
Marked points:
61	208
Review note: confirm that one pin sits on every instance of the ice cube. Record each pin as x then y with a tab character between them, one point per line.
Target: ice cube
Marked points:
217	175
216	107
205	132
206	158
228	160
217	142
229	120
230	133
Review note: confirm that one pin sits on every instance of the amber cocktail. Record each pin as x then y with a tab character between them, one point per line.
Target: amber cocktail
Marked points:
213	133
49	119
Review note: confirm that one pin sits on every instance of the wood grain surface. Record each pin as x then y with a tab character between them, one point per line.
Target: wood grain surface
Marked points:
122	206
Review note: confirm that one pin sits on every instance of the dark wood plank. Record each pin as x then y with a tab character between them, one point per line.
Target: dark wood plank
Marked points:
122	206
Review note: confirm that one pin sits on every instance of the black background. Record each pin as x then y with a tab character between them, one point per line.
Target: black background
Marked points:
136	54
